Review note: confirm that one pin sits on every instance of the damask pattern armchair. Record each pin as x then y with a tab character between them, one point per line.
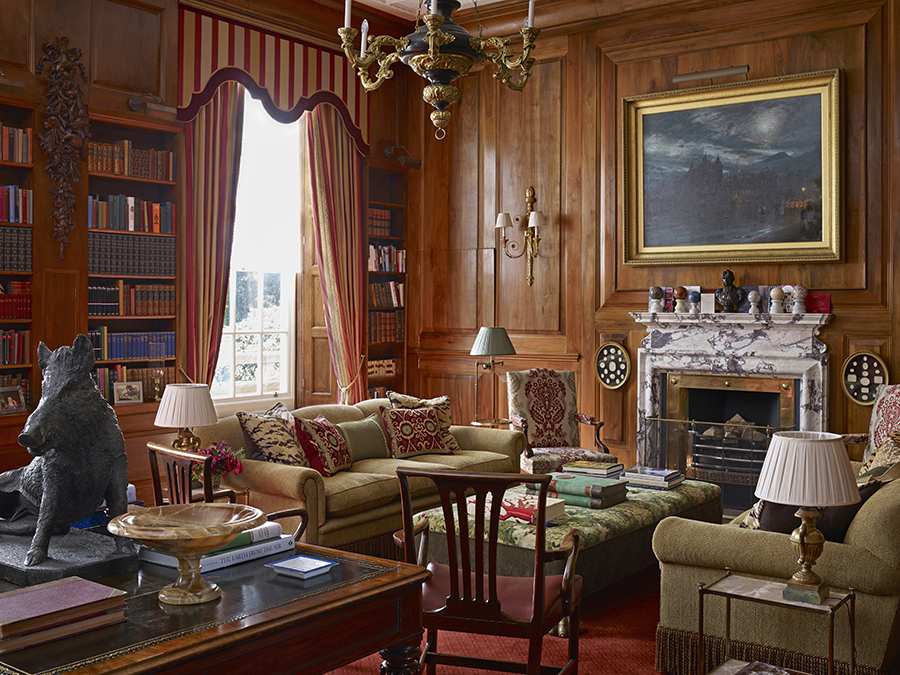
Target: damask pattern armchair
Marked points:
542	403
885	420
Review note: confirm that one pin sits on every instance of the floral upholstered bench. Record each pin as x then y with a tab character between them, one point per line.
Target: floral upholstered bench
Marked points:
615	541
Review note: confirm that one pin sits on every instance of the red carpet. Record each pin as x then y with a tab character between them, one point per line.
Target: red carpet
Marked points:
619	635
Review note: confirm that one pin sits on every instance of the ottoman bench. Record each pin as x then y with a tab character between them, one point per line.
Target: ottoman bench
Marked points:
615	541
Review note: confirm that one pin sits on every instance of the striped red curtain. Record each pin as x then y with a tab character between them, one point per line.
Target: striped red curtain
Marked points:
336	174
286	74
212	152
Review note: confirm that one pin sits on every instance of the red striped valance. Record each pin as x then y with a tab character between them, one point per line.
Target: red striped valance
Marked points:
290	76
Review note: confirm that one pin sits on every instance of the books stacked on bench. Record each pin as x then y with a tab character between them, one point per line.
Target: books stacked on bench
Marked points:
257	542
653	478
588	468
521	507
590	492
55	610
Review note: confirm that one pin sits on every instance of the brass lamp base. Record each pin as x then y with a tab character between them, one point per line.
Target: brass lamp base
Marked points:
186	440
806	585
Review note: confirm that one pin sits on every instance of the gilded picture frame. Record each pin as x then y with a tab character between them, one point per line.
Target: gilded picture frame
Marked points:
745	172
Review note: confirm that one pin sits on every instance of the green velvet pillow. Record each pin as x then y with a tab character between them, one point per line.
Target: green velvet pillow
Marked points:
365	438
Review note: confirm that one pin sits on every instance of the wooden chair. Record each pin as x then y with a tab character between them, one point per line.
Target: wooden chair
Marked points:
178	465
287	513
467	594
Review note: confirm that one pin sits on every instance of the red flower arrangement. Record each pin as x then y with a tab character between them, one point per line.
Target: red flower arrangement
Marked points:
224	460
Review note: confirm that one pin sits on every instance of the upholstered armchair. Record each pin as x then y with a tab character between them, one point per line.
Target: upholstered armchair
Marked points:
542	403
884	421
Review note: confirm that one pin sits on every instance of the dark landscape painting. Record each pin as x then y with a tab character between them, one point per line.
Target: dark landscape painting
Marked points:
742	173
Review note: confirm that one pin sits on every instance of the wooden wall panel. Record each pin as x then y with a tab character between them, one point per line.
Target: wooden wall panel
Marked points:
134	50
563	135
16	36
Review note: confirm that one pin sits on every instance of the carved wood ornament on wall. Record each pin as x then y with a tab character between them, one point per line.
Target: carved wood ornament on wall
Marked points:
65	131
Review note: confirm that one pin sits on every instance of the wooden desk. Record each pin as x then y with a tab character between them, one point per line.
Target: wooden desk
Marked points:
264	623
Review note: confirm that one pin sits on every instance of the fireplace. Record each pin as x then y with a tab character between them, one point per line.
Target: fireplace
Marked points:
713	388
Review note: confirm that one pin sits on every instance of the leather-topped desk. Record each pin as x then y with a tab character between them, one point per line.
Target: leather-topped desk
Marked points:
264	623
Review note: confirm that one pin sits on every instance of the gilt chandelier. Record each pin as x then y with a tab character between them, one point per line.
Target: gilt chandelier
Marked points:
440	51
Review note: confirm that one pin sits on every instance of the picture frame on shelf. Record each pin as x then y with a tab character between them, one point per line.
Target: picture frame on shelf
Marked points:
739	172
127	393
12	400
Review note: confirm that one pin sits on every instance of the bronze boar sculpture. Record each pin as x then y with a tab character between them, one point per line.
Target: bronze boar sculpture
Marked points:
79	455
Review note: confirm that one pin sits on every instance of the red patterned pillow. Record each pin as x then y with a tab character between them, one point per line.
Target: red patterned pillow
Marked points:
413	432
325	448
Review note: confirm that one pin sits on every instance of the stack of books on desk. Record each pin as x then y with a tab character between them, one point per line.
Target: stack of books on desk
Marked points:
586	491
56	609
653	478
257	542
588	468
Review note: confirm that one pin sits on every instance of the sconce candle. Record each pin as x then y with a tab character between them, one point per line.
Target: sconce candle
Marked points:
530	23
347	13
363	35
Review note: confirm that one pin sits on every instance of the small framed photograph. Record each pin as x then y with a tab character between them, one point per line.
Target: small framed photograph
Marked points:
12	400
128	392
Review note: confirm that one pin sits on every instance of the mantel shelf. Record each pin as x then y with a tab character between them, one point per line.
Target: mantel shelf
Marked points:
732	320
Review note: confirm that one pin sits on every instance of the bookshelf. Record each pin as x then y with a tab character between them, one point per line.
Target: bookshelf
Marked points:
16	254
386	277
132	214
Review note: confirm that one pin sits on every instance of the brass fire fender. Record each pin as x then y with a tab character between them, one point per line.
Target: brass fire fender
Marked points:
678	386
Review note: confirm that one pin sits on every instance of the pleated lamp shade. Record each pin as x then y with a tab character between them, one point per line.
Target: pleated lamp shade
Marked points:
807	468
184	406
492	341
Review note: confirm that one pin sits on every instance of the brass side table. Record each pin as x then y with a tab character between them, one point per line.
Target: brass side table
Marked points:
735	587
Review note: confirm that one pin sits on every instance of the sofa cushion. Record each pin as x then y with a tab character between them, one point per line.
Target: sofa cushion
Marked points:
325	447
354	491
833	523
388	467
366	438
469	460
274	436
413	432
886	454
441	406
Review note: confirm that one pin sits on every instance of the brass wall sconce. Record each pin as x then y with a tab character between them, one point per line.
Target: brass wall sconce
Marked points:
440	51
530	222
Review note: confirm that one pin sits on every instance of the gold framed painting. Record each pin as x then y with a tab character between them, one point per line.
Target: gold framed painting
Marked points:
744	172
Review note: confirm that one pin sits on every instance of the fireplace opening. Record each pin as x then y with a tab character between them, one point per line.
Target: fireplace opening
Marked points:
717	428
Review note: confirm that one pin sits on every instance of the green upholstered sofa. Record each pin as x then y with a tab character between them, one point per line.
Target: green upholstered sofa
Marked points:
359	508
868	560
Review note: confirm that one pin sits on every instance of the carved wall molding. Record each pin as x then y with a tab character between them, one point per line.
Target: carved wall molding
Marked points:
66	133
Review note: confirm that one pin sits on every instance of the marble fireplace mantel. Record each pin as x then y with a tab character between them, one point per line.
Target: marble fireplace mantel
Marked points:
748	345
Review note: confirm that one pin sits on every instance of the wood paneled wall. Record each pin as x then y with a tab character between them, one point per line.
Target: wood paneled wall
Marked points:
562	135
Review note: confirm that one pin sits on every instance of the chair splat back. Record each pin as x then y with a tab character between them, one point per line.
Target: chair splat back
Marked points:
178	467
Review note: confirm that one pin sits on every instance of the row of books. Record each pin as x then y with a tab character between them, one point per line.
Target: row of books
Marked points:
133	345
387	326
131	255
15	144
124	299
384	368
15	249
15	347
106	378
15	306
386	294
386	259
377	392
379	222
16	204
122	159
130	214
53	610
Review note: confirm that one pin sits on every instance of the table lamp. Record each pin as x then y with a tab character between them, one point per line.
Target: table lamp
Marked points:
184	406
491	341
810	469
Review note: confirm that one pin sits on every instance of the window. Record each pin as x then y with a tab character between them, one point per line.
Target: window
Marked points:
256	355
